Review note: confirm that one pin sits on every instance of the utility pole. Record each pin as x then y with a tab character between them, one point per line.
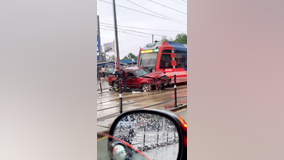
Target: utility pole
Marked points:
101	56
116	37
152	38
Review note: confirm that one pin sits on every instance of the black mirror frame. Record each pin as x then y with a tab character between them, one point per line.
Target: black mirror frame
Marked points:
167	114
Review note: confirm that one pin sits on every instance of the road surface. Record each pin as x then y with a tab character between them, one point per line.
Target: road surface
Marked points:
108	102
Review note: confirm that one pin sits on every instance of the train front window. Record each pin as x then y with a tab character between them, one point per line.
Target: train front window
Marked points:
148	60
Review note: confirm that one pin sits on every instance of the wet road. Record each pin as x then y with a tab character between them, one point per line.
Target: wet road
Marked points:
182	113
104	84
108	101
102	144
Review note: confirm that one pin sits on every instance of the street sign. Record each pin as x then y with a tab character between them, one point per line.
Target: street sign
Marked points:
109	47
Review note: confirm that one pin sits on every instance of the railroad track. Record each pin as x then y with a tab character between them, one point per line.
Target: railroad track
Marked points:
167	89
131	97
117	114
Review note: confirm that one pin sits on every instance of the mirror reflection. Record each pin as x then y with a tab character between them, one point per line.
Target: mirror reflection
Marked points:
155	136
119	152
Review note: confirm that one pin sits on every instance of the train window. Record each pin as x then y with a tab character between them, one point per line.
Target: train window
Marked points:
166	61
181	61
148	60
167	51
179	51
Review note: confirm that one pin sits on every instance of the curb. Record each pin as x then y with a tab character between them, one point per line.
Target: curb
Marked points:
181	106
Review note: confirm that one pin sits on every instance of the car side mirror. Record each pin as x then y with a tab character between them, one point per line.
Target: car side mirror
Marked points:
147	133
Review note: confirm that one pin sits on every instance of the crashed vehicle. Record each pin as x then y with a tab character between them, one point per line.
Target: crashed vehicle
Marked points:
143	79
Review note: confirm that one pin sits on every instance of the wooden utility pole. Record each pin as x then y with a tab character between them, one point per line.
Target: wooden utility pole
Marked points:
116	36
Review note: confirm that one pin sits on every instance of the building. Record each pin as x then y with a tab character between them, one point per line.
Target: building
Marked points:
109	64
129	62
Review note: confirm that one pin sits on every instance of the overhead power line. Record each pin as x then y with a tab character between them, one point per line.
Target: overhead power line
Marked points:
143	12
129	34
167	7
134	34
141	28
154	12
125	32
179	3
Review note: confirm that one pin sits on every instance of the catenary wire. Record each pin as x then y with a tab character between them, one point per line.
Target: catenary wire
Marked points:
142	12
179	3
167	6
141	28
124	32
155	12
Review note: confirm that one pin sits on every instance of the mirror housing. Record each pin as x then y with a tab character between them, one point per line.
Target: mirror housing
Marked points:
175	119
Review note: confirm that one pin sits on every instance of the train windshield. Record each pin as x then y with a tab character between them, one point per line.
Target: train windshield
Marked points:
148	60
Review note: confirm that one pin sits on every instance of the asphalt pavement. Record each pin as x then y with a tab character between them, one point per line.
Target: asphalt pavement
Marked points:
108	103
102	143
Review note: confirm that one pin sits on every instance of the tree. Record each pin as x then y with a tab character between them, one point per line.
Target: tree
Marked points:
130	56
181	38
110	57
164	39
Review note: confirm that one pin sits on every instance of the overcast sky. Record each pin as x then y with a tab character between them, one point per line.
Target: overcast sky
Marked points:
130	43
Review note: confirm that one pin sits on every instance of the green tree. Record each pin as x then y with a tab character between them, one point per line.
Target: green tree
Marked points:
165	39
130	56
181	38
110	57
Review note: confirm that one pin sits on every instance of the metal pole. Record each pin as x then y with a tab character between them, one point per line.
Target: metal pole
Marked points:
175	86
164	124
100	81
149	86
101	85
116	36
99	32
144	138
167	138
120	95
152	38
158	136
